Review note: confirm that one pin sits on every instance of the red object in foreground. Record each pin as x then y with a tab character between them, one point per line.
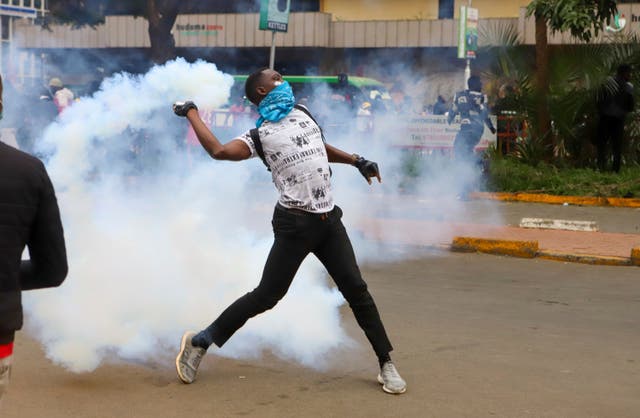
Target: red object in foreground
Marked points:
6	350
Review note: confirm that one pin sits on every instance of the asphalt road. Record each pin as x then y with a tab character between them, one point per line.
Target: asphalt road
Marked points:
475	336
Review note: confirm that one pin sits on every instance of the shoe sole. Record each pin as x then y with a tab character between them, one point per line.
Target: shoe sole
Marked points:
183	344
387	390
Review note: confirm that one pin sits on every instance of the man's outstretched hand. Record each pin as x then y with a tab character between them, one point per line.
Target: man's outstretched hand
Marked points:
181	108
368	169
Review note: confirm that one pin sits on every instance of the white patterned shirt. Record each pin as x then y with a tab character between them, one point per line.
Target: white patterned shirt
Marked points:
295	152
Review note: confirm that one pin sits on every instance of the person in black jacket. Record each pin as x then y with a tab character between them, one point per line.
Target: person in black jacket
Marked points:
614	102
29	216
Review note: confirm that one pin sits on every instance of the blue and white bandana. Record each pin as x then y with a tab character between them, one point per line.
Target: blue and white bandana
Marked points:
277	104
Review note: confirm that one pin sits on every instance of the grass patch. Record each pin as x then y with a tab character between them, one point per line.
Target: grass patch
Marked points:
509	175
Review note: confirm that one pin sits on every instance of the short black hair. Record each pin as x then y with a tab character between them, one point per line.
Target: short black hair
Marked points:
251	85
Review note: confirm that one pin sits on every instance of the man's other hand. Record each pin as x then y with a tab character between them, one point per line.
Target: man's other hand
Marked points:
368	169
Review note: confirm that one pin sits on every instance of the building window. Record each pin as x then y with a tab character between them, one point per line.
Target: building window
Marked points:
445	9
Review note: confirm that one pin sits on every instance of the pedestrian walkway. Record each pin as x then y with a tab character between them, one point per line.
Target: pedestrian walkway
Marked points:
612	248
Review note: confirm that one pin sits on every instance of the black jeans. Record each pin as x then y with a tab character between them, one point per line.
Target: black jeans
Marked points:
466	140
610	129
297	234
467	164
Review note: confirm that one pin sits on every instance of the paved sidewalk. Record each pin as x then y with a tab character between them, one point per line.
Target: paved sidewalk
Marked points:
429	233
612	248
441	234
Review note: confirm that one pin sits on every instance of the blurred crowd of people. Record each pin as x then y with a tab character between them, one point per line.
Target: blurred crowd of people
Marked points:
33	107
37	106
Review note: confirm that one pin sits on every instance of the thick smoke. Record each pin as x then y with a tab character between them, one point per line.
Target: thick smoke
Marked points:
161	239
159	243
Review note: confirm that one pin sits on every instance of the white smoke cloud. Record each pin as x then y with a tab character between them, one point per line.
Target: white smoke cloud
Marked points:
152	256
163	242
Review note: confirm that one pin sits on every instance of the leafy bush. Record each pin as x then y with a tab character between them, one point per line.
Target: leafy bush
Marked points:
577	75
511	175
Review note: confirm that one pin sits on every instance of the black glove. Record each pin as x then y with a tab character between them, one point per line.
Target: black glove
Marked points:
493	130
181	108
367	168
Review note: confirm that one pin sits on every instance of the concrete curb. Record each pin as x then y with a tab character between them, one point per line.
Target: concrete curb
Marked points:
635	256
585	259
530	249
559	224
522	249
559	200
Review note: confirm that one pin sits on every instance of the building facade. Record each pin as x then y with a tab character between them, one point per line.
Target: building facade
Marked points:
330	36
384	24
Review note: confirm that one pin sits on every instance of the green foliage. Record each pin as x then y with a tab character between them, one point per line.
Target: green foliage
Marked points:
510	175
582	18
80	13
530	150
578	75
161	15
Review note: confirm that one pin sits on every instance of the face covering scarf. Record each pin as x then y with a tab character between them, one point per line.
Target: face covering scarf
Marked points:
277	104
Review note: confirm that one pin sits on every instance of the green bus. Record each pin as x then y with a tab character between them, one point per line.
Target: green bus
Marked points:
368	89
325	96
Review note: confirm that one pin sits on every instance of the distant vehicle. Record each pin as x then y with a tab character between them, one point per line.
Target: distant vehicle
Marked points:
326	97
367	88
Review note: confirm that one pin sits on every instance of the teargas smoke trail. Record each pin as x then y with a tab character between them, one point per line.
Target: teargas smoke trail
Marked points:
159	243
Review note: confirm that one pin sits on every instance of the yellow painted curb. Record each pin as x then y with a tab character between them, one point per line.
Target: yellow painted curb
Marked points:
523	249
635	256
586	259
559	200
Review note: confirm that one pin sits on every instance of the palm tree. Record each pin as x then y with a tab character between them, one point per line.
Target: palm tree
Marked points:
577	74
583	19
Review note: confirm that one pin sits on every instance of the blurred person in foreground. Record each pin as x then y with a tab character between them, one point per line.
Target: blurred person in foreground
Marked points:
471	105
305	219
615	101
29	216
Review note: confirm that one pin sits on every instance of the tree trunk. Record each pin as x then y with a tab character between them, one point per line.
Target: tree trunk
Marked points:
162	16
543	125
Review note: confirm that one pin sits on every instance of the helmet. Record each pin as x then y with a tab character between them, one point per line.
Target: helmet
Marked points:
55	82
474	83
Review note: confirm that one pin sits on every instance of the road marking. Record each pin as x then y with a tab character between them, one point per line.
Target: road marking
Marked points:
567	225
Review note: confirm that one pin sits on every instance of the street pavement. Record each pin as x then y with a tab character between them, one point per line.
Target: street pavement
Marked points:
429	222
474	336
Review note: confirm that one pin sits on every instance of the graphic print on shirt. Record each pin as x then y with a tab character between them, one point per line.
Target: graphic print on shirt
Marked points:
298	160
275	156
319	193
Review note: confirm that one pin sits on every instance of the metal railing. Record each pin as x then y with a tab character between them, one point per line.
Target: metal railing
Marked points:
510	128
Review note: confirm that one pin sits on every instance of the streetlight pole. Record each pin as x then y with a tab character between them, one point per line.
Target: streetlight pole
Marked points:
272	55
467	70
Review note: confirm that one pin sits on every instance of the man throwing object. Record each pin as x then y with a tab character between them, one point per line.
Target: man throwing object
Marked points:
305	219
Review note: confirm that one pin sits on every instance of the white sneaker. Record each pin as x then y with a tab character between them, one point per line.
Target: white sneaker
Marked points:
188	358
390	379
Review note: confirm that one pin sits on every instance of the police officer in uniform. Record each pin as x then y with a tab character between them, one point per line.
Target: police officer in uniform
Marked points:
471	105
